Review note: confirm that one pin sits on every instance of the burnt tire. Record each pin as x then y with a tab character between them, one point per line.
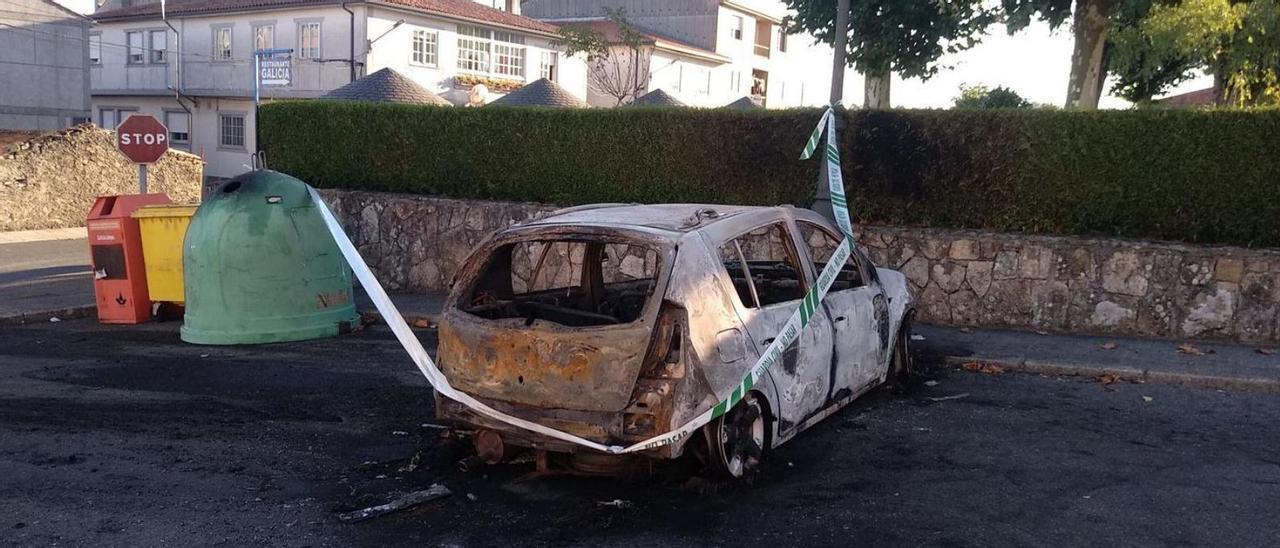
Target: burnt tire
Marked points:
737	440
903	373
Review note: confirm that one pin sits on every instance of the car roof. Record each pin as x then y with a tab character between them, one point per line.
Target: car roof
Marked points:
674	218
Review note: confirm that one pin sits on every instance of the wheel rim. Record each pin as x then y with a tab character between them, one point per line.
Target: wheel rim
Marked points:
742	434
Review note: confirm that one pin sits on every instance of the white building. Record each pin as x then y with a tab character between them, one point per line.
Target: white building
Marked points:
194	69
709	53
44	72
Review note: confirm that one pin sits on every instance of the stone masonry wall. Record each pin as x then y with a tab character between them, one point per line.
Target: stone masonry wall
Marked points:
960	277
51	181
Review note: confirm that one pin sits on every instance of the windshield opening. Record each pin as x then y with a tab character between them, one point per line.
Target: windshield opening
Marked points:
573	282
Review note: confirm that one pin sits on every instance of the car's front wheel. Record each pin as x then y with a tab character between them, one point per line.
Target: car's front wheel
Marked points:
738	438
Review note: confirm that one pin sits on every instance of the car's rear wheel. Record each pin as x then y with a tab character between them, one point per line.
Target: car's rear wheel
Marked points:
737	439
902	367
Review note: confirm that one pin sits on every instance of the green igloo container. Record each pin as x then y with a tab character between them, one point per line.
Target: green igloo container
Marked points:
260	266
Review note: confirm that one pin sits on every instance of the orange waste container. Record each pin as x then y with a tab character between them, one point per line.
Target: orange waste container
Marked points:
115	246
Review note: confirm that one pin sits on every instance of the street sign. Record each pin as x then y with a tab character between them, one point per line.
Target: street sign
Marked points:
275	70
142	139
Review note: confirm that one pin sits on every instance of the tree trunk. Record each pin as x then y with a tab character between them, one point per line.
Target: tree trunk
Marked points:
1090	26
876	89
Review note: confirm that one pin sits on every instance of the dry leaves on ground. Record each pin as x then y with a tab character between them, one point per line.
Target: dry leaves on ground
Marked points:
1108	346
984	367
1192	350
422	323
1108	378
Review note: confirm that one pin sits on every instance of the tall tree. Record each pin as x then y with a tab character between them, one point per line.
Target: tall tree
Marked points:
1169	43
904	37
1091	24
1238	42
617	66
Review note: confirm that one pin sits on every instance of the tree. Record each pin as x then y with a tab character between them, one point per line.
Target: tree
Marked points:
1091	23
982	97
616	66
905	37
1237	42
1247	70
1168	44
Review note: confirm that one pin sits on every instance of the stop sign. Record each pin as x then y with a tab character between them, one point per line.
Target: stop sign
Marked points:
142	138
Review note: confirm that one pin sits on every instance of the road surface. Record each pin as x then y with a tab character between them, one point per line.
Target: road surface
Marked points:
125	436
44	275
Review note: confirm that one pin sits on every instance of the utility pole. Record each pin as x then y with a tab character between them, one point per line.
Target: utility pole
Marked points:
822	200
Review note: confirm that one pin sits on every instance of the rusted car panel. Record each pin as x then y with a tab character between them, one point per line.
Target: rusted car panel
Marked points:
543	365
719	283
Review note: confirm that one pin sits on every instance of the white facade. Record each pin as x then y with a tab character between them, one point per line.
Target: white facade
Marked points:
142	66
754	56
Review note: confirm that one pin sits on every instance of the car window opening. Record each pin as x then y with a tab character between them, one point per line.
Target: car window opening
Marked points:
822	245
572	282
763	267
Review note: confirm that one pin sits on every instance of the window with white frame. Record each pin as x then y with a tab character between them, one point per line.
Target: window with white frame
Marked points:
231	130
547	68
679	78
493	52
110	117
735	80
179	124
704	87
736	25
136	54
508	60
309	40
425	49
159	45
95	49
222	43
474	48
264	37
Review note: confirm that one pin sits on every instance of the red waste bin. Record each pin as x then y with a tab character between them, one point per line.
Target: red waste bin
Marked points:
115	245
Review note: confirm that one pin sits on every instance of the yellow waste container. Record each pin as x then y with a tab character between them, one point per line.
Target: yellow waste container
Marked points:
163	228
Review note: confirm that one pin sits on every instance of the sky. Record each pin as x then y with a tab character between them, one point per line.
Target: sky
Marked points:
1034	63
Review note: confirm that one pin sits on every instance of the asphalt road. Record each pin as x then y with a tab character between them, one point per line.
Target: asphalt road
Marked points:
124	436
42	276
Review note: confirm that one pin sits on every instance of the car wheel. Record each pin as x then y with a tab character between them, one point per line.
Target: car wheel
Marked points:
902	366
738	438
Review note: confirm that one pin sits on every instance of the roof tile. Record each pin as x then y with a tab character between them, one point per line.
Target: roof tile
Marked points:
463	9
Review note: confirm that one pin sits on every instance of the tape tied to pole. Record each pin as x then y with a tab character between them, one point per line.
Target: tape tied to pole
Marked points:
725	401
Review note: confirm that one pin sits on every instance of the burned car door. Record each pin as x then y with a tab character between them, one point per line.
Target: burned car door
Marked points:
763	266
856	309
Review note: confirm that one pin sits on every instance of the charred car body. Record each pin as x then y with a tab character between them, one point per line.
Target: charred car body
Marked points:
617	323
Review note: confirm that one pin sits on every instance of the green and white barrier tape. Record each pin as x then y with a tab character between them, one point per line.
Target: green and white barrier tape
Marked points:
790	331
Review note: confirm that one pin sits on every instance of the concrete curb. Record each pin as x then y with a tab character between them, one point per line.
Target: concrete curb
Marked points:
43	316
1194	380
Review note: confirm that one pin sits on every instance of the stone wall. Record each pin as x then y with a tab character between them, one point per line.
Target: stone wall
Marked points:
1108	286
971	278
51	181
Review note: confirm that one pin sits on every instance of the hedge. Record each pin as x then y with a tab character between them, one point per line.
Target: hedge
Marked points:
1197	176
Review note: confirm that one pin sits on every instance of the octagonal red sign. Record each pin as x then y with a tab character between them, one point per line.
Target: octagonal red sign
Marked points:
142	138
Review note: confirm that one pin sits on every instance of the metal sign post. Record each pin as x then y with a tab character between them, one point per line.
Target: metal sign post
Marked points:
271	68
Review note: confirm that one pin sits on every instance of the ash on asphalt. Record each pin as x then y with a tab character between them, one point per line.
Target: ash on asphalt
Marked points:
126	436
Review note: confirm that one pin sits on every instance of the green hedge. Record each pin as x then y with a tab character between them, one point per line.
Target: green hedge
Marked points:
1199	176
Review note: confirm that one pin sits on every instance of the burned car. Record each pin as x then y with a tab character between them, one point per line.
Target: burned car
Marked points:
616	323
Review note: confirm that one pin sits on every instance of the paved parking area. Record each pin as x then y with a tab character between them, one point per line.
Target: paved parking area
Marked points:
126	436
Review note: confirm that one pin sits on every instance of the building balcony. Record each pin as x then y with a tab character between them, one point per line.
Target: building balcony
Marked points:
214	78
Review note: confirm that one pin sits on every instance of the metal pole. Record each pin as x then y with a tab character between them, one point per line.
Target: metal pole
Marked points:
142	178
257	99
822	200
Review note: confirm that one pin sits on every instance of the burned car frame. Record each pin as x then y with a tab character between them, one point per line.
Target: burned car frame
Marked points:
616	323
